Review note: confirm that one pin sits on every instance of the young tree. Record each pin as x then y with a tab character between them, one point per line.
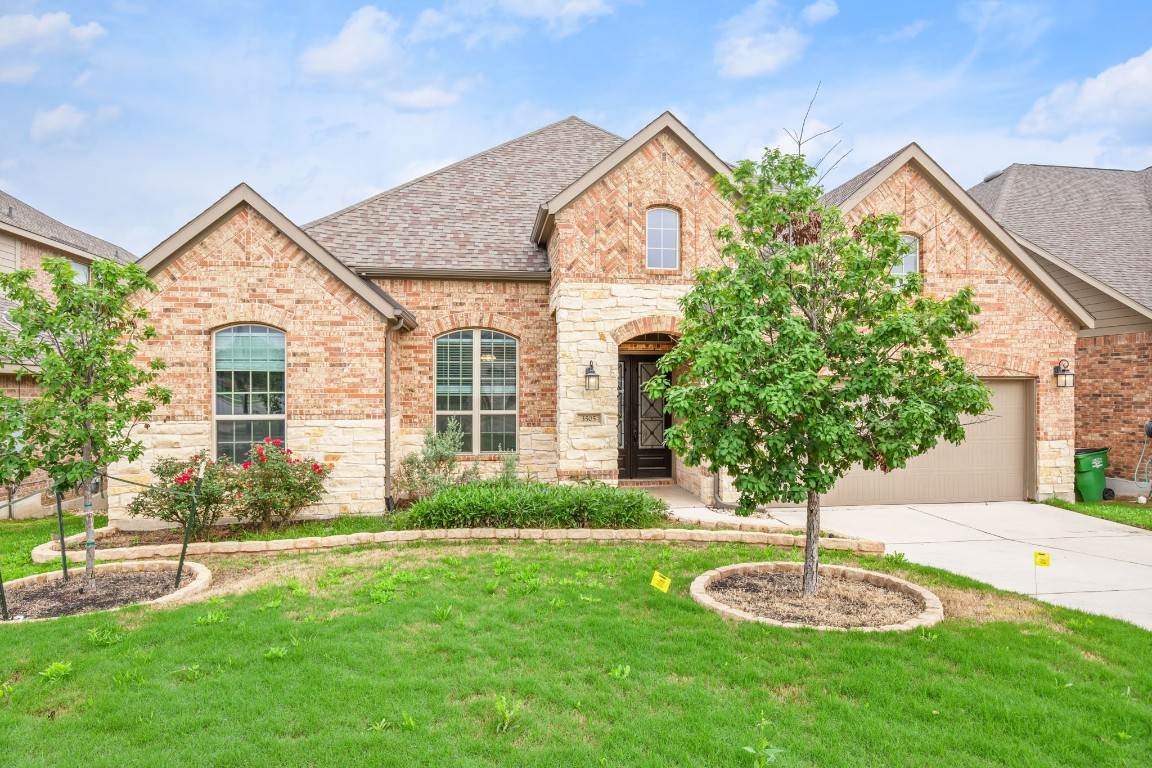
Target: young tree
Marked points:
805	355
80	345
16	463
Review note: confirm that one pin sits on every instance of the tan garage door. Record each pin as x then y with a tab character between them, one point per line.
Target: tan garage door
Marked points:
990	465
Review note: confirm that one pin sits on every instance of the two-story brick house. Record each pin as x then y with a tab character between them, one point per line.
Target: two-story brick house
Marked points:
527	292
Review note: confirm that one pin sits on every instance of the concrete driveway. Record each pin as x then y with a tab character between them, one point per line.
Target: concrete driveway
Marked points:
1097	565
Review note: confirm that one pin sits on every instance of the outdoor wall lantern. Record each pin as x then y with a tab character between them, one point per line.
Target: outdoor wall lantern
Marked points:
1064	375
591	378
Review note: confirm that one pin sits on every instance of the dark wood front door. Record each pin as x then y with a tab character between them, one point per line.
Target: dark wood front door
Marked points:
642	422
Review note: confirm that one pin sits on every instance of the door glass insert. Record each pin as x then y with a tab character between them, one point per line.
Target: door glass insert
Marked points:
651	410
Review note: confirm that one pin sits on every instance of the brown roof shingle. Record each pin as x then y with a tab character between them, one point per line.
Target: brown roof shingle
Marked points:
17	213
1098	220
838	196
474	215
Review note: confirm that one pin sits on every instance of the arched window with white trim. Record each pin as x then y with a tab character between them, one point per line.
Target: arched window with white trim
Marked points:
663	238
911	261
249	388
477	385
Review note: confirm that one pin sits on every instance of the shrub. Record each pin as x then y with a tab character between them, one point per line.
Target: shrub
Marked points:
501	504
273	485
423	474
170	499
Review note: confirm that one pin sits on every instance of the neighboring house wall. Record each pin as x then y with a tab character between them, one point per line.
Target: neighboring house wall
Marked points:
603	293
519	309
1022	332
245	271
1112	316
9	253
1114	398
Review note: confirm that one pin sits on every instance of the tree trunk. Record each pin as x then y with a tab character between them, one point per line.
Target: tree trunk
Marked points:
89	529
812	544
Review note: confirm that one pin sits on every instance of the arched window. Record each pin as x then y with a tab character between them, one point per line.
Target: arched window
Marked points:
911	261
663	238
476	384
249	386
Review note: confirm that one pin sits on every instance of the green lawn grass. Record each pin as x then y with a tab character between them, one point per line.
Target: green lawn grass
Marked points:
1128	513
18	537
397	656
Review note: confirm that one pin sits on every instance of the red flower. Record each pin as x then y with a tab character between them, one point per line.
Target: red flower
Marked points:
288	451
263	457
267	439
246	465
182	479
276	442
319	470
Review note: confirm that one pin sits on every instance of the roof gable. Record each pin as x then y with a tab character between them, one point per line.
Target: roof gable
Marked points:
545	217
195	230
473	217
913	155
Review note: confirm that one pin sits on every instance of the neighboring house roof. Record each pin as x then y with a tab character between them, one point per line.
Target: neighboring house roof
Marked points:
855	190
192	232
546	214
472	217
21	219
1096	220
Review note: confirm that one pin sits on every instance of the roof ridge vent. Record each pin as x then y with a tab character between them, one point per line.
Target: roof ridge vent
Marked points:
994	174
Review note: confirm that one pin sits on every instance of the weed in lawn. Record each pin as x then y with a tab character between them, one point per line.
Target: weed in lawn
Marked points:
452	561
621	671
442	613
128	677
6	689
557	603
275	653
334	576
526	581
381	726
589	599
275	602
895	560
928	636
56	671
407	722
506	713
492	587
502	566
763	754
189	673
103	636
383	592
212	617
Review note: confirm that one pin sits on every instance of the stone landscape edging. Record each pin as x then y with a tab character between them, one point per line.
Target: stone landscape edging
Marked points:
201	582
49	551
933	611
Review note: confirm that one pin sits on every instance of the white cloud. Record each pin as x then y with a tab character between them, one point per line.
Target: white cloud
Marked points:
17	73
48	32
821	10
63	122
1118	98
760	54
427	97
906	32
563	17
366	41
1016	24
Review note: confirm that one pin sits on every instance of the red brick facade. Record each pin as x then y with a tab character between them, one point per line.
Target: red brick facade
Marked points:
1114	398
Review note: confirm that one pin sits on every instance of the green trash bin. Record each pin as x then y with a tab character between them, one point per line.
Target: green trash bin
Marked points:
1090	466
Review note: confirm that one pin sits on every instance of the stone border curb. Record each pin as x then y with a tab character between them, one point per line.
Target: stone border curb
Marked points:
191	589
49	551
933	611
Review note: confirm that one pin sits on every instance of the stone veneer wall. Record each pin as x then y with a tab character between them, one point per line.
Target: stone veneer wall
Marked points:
519	309
1114	398
244	270
1022	333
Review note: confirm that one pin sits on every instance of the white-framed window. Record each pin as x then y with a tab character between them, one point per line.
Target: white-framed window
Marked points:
82	270
663	238
911	260
477	385
249	392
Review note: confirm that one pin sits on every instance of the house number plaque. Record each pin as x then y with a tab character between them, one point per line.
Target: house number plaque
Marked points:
589	418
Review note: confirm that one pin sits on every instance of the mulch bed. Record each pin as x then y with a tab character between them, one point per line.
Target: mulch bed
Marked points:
113	590
838	602
168	536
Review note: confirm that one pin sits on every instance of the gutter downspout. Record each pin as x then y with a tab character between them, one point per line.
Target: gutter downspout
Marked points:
389	500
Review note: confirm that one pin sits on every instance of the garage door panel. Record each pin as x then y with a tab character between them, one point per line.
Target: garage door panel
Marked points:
990	465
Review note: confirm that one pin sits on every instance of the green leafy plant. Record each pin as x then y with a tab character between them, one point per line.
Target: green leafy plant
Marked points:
56	671
6	691
209	618
128	677
16	462
273	484
170	497
508	471
763	754
407	722
103	636
275	652
435	466
805	354
382	725
442	613
190	673
507	713
492	587
498	504
620	671
78	341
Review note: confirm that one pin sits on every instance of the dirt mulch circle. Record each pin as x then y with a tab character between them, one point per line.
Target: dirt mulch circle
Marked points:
168	536
50	599
838	602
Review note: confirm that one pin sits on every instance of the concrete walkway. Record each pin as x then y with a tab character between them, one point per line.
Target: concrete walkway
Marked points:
1097	565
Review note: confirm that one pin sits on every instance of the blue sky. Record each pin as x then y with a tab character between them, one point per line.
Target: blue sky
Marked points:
127	118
